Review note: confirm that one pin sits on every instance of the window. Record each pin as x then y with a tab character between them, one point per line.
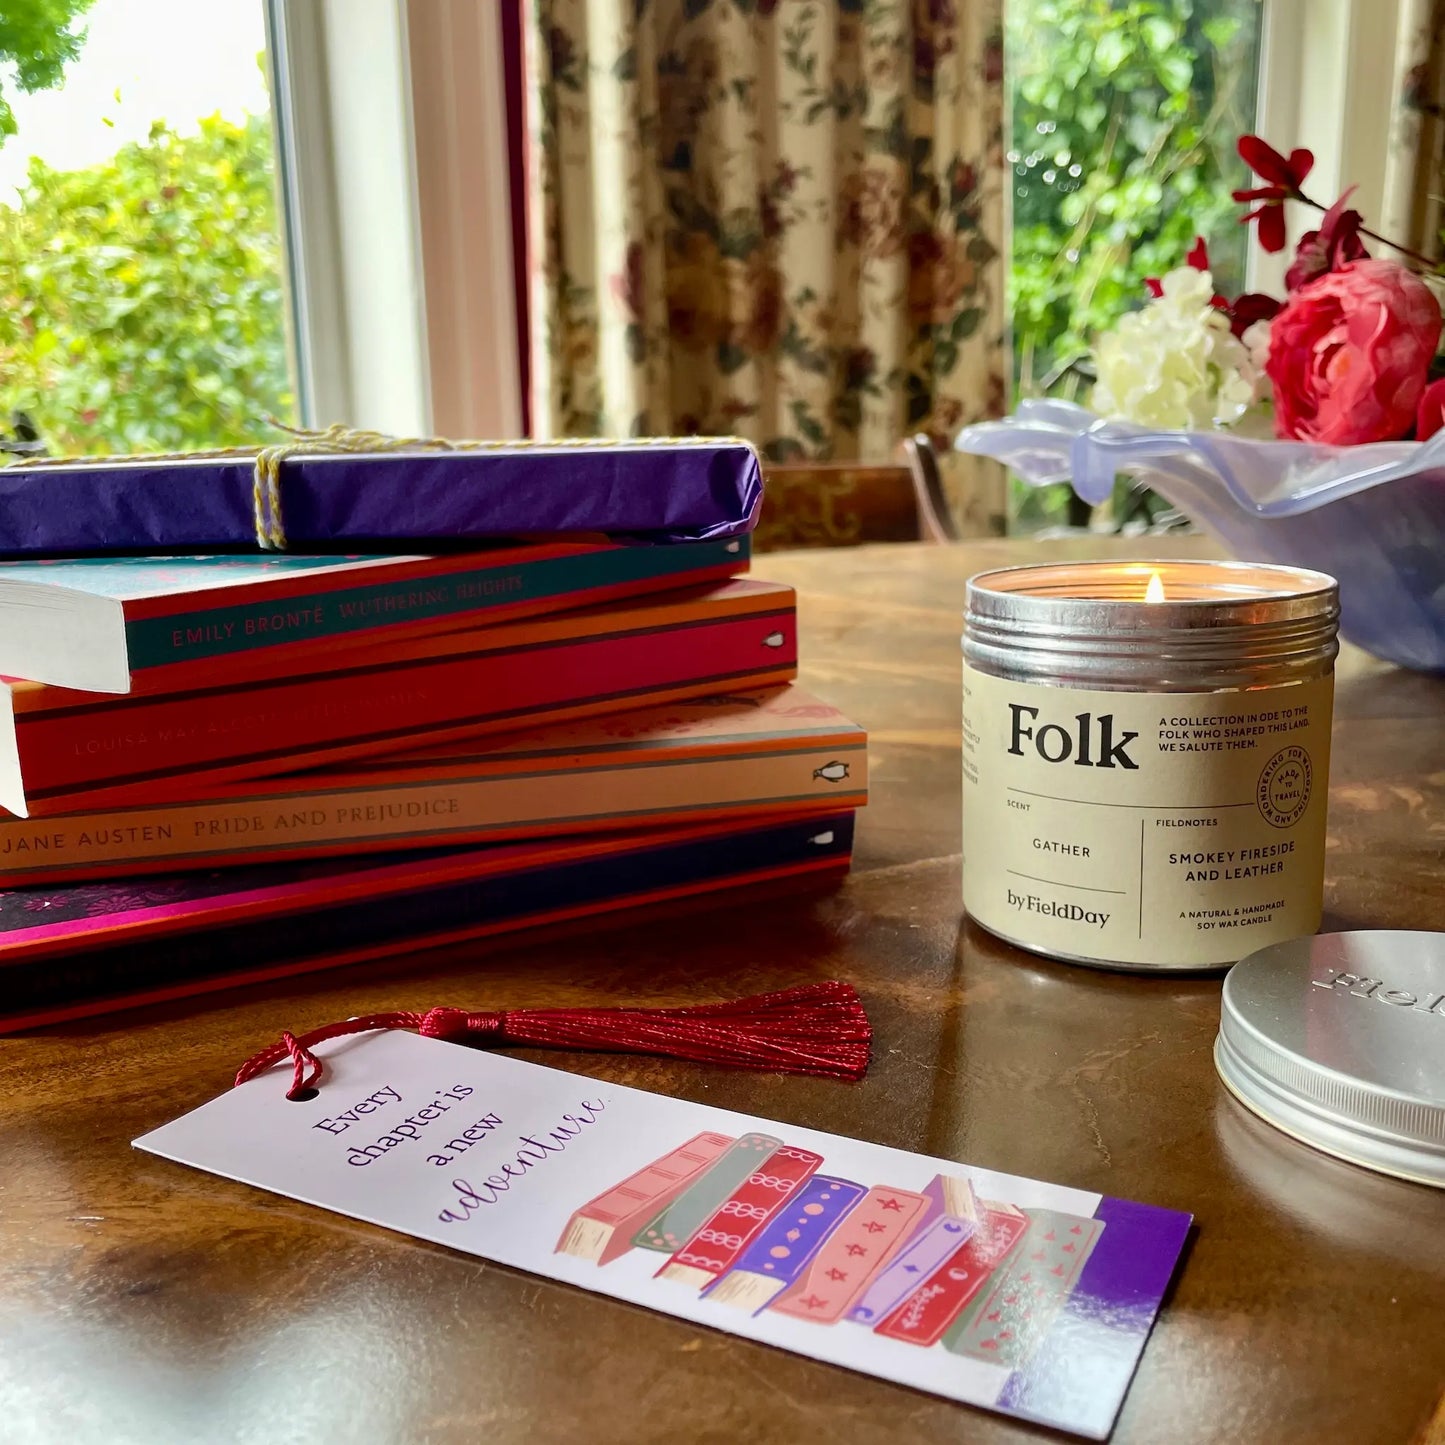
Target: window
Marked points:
238	209
1125	115
337	250
1124	118
144	298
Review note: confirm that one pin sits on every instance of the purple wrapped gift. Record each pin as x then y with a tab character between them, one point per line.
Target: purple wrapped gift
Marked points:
661	491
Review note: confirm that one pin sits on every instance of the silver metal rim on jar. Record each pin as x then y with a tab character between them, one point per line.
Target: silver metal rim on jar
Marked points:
1222	625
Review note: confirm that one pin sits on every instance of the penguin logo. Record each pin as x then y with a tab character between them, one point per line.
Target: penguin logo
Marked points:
822	839
774	639
832	772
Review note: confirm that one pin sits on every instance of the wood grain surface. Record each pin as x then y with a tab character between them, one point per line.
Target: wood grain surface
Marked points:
143	1302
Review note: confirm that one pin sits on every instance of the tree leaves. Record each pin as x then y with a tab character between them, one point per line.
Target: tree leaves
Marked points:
141	302
39	38
1124	112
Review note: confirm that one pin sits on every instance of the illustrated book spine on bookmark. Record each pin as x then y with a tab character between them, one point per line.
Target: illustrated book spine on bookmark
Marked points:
728	1231
923	1315
1018	1310
782	1251
862	1244
930	1248
673	1225
603	1228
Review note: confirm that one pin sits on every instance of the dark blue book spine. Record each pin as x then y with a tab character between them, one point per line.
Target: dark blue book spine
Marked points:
535	894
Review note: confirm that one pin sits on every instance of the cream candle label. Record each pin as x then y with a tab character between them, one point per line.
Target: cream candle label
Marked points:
1183	829
758	1228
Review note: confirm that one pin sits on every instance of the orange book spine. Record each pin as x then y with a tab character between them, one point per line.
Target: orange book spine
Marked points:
314	817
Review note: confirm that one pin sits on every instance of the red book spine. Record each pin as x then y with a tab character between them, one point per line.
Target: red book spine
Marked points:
924	1316
602	1229
145	748
718	1245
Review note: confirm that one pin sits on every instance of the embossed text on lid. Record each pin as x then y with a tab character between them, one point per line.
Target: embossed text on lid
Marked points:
1340	1041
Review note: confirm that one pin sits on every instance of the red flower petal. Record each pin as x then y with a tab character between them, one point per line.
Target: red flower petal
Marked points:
1270	165
1262	193
1154	286
1198	256
1264	160
1251	307
1271	227
1348	355
1430	414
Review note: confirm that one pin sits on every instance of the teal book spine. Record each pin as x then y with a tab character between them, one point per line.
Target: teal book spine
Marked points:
322	607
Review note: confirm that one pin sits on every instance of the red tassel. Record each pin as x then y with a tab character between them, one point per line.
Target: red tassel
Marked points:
819	1028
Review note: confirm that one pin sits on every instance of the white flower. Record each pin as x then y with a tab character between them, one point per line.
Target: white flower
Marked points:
1256	342
1174	365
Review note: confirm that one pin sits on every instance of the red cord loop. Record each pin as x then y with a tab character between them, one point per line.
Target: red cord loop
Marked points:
306	1066
819	1028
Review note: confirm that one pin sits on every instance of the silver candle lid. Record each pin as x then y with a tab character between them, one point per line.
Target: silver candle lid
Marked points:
1339	1040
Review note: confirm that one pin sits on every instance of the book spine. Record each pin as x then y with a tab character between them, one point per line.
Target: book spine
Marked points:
124	948
675	1224
930	1249
205	626
614	1216
1018	1310
861	1245
728	1231
781	1252
143	748
252	823
923	1316
947	1193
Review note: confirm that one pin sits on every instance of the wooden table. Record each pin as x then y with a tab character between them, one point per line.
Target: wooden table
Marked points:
142	1302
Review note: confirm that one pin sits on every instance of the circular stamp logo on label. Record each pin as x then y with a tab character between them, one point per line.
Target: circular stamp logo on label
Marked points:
1283	793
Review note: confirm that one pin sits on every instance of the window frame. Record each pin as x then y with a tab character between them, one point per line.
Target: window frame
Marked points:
403	305
1330	74
402	271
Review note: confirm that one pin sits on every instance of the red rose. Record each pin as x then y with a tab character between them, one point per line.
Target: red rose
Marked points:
1348	354
1430	414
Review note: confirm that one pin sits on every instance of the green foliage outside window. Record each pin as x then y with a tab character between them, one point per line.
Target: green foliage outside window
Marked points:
38	39
141	304
1125	116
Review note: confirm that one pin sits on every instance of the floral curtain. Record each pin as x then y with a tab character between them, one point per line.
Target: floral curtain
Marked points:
780	219
1415	168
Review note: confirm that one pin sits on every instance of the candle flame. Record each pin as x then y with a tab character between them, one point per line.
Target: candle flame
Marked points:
1154	592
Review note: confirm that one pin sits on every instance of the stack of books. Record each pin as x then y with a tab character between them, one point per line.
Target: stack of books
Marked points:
241	765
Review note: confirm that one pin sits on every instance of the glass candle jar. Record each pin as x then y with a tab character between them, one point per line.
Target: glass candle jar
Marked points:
1146	758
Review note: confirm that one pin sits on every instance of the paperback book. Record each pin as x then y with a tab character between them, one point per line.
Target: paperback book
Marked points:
767	752
79	949
154	624
61	750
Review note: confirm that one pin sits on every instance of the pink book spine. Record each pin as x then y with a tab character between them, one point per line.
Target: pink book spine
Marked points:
602	1229
863	1244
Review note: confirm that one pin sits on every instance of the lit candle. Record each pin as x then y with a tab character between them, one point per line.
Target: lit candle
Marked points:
1146	758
